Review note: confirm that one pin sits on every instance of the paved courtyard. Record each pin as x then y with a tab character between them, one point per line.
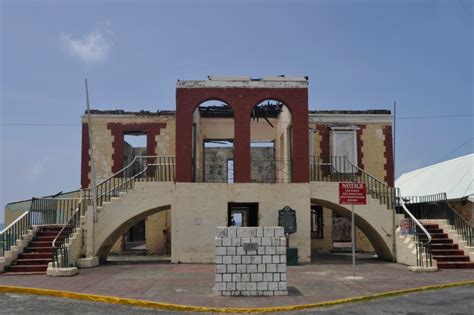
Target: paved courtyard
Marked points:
191	284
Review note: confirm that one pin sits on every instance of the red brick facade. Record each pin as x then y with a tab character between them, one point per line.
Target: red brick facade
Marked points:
242	101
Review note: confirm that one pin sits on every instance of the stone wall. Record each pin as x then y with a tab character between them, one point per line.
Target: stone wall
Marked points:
464	208
201	207
250	261
263	164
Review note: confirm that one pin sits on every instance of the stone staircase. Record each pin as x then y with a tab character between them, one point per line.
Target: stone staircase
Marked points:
446	253
38	254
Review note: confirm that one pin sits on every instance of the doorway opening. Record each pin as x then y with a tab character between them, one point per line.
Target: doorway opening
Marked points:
135	145
242	214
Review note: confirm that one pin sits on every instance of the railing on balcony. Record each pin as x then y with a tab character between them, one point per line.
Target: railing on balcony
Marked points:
340	169
141	169
437	207
422	237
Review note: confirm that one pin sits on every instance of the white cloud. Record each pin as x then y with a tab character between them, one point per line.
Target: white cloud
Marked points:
94	47
36	169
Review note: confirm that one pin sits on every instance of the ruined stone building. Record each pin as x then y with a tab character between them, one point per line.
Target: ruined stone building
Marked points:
238	150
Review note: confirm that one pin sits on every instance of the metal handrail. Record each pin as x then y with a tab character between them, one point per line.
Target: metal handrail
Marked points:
366	173
123	180
131	164
418	223
14	222
41	211
437	207
73	222
423	249
330	171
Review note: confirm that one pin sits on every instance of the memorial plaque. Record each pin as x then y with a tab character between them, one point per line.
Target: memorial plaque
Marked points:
250	246
287	219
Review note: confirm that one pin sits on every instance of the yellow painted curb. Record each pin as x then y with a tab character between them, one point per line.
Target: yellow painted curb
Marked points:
177	307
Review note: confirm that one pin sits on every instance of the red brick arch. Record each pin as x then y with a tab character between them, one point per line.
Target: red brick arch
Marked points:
242	101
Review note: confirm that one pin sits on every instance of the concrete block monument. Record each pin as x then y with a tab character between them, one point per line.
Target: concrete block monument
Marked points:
250	261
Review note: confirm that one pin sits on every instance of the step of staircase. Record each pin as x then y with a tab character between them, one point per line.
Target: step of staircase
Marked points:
435	231
41	244
441	241
49	234
28	268
36	256
439	235
456	265
446	253
451	258
431	226
19	273
38	250
33	261
44	238
444	246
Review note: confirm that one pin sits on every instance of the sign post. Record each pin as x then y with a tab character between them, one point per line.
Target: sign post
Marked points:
352	194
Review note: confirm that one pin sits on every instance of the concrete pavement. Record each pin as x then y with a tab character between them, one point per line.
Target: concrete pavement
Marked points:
191	284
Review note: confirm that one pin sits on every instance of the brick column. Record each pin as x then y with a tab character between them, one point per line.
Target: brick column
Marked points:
300	157
184	130
241	147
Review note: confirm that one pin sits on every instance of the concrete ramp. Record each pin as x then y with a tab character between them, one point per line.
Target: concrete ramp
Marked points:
121	213
374	219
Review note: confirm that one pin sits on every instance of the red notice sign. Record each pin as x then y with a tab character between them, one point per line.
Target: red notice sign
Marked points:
352	194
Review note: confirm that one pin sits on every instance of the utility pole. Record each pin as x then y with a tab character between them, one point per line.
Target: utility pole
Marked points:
394	136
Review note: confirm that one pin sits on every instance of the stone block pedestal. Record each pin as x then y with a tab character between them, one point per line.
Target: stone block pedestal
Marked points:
250	261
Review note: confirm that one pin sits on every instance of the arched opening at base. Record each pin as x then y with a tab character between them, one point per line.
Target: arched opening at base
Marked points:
324	225
158	232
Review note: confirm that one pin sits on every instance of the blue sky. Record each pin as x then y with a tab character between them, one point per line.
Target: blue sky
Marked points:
357	54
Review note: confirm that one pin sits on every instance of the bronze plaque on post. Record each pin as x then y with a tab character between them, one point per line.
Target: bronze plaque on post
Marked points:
287	219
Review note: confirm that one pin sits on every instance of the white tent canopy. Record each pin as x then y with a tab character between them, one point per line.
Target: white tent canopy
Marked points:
454	177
